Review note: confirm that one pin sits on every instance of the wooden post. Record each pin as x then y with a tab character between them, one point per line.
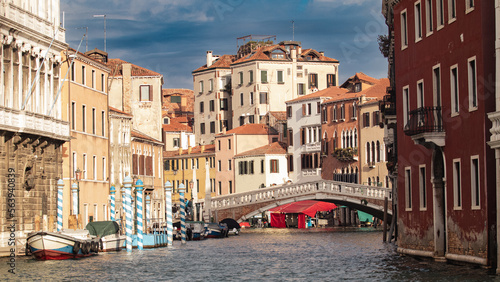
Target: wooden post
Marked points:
386	202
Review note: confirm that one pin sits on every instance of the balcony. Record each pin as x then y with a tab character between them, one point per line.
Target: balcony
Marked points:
388	105
311	147
346	155
425	126
32	123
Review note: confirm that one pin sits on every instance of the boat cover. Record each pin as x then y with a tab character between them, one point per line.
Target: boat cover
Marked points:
103	228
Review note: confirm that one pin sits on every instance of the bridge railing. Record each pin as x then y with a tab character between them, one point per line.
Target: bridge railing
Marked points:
287	191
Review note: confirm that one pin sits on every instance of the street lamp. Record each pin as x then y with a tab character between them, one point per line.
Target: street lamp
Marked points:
103	16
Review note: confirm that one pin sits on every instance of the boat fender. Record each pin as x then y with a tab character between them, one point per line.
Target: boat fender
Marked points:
27	250
76	247
86	248
93	246
101	244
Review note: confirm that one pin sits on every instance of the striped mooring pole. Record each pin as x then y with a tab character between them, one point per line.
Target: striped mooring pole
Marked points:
148	210
139	188
74	190
60	188
112	192
168	207
127	183
182	189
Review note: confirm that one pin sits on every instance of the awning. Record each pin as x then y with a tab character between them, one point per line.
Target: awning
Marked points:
309	207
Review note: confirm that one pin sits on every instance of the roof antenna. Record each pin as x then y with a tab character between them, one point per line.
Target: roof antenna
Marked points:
293	30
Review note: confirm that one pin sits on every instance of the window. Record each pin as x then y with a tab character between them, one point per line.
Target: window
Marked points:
243	167
406	104
176	142
73	115
263	97
428	17
457	184
440	13
277	54
376	118
229	165
223	124
219	165
241	99
94	167
102	82
75	164
420	94
251	167
73	74
324	115
334	114
230	187
251	98
306	109
452	10
313	80
408	188
175	99
330	80
212	127
274	166
242	120
250	74
289	111
84	118
422	188
279	75
469	5
93	78
223	104
290	163
262	169
220	188
103	122
251	119
301	89
354	111
418	21
202	128
84	166
202	107
211	85
472	81
404	31
475	182
263	76
290	138
146	93
241	77
83	75
201	86
454	90
229	144
211	105
342	112
93	120
436	85
318	107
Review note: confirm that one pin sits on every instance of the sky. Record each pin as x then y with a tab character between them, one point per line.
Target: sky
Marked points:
171	37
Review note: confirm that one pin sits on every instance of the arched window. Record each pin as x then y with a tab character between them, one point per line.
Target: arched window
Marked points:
369	181
343	139
355	138
373	152
368	152
335	145
378	151
351	144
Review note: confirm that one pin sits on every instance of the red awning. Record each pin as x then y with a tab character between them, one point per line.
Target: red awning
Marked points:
309	207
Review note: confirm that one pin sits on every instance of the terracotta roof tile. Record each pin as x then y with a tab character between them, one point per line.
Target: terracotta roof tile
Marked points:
376	91
174	126
330	92
263	54
138	134
252	129
276	148
116	69
118	111
224	61
208	149
279	115
177	107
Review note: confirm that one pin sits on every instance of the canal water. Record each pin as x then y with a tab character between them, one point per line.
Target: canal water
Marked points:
255	255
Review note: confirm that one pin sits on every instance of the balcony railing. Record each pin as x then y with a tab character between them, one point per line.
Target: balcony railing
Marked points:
424	120
388	105
346	155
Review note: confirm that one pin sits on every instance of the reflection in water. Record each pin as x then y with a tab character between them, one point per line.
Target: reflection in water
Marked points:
260	254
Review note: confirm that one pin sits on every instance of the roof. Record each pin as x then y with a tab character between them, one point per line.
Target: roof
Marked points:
116	67
223	61
252	129
264	54
118	111
175	126
361	77
279	115
276	148
137	134
88	57
330	92
378	90
208	149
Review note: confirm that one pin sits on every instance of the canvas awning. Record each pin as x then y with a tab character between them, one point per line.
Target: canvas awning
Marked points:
309	207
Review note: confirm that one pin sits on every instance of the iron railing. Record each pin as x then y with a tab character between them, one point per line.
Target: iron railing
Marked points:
424	120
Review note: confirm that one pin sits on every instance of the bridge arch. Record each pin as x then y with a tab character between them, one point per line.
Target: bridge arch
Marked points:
370	208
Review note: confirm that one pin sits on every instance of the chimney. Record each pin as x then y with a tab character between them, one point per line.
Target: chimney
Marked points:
127	88
202	149
322	53
180	151
209	58
223	130
299	50
294	55
189	150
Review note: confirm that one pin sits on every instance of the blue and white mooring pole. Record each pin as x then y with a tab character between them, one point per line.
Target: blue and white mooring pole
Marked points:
112	192
182	189
60	188
168	207
139	186
127	183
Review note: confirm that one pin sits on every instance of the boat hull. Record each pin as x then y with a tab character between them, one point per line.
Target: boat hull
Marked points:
56	246
112	243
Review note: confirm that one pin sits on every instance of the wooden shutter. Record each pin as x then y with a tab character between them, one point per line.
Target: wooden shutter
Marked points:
149	165
141	165
135	164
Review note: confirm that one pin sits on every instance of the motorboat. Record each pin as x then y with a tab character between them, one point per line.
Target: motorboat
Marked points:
216	230
197	230
59	246
108	234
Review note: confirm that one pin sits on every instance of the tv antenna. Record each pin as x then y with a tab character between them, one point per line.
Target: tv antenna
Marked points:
293	30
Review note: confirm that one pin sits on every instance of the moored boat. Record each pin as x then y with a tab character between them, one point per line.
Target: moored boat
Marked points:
215	230
197	230
108	234
59	246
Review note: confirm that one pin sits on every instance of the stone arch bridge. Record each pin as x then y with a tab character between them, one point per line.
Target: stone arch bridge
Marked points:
241	206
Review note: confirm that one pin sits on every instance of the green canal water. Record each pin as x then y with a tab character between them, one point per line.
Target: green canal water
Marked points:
255	255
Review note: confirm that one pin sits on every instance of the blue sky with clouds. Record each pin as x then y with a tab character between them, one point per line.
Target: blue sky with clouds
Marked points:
172	36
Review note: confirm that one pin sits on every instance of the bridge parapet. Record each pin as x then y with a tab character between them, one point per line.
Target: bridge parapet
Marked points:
287	191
